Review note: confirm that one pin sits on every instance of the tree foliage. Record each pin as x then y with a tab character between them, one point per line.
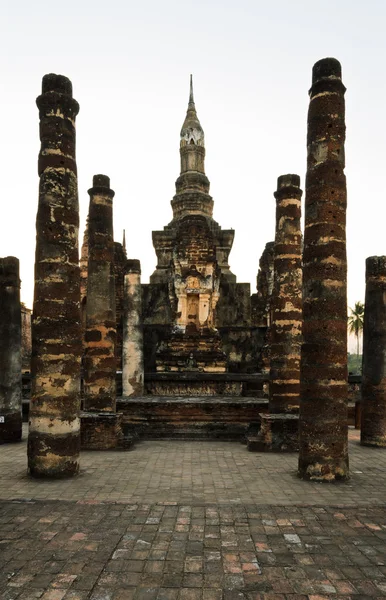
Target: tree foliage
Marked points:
355	321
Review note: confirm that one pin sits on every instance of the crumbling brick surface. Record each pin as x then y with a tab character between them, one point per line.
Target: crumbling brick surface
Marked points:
286	304
132	346
10	351
54	439
373	421
99	359
323	408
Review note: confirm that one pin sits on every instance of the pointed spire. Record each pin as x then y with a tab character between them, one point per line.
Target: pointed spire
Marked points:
191	97
192	132
124	240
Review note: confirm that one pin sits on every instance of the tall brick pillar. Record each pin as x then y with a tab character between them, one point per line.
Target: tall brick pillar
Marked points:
54	431
279	430
286	326
132	348
10	351
99	360
323	389
373	426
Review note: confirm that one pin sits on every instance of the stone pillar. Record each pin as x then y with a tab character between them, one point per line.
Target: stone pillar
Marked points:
132	351
54	430
26	338
83	264
373	421
99	360
323	389
286	310
10	351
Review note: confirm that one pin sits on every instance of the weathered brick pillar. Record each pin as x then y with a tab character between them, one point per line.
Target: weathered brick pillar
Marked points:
263	306
373	426
132	348
286	326
99	360
10	351
323	391
83	264
54	430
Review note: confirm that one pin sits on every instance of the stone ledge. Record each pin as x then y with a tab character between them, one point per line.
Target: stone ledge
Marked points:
100	430
278	433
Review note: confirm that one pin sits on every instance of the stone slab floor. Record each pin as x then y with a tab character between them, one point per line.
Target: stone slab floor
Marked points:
189	520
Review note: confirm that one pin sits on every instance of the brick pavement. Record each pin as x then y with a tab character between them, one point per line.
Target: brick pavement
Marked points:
192	521
195	472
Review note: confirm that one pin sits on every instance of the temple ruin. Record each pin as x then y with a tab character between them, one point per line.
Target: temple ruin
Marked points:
373	426
191	353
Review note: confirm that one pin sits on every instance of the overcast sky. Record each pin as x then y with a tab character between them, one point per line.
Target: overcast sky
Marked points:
251	61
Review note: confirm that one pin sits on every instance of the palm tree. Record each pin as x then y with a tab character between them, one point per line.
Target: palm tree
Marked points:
355	321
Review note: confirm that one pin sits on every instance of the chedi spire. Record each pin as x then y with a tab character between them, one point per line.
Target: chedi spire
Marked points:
192	133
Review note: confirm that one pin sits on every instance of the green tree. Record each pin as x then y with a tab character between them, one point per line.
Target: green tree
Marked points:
355	321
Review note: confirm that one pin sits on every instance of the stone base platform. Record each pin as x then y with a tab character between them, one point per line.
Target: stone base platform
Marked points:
207	418
10	426
278	433
100	430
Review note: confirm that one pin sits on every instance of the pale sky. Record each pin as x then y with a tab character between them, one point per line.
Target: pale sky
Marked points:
129	63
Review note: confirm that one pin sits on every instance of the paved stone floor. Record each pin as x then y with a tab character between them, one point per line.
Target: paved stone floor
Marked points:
174	520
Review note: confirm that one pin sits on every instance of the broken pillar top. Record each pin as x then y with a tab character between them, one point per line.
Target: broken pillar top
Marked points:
327	76
288	186
57	93
101	185
9	271
376	266
101	181
287	180
326	67
133	266
56	83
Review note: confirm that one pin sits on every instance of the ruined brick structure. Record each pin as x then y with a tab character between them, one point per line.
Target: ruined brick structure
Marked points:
286	305
83	264
260	302
196	317
10	351
132	345
120	259
99	359
373	425
26	337
323	407
54	425
279	428
193	340
119	266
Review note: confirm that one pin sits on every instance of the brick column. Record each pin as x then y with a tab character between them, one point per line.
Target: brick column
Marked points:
373	426
132	348
54	432
323	405
286	326
10	351
99	360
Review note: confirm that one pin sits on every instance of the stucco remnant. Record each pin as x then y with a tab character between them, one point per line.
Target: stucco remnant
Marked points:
132	347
